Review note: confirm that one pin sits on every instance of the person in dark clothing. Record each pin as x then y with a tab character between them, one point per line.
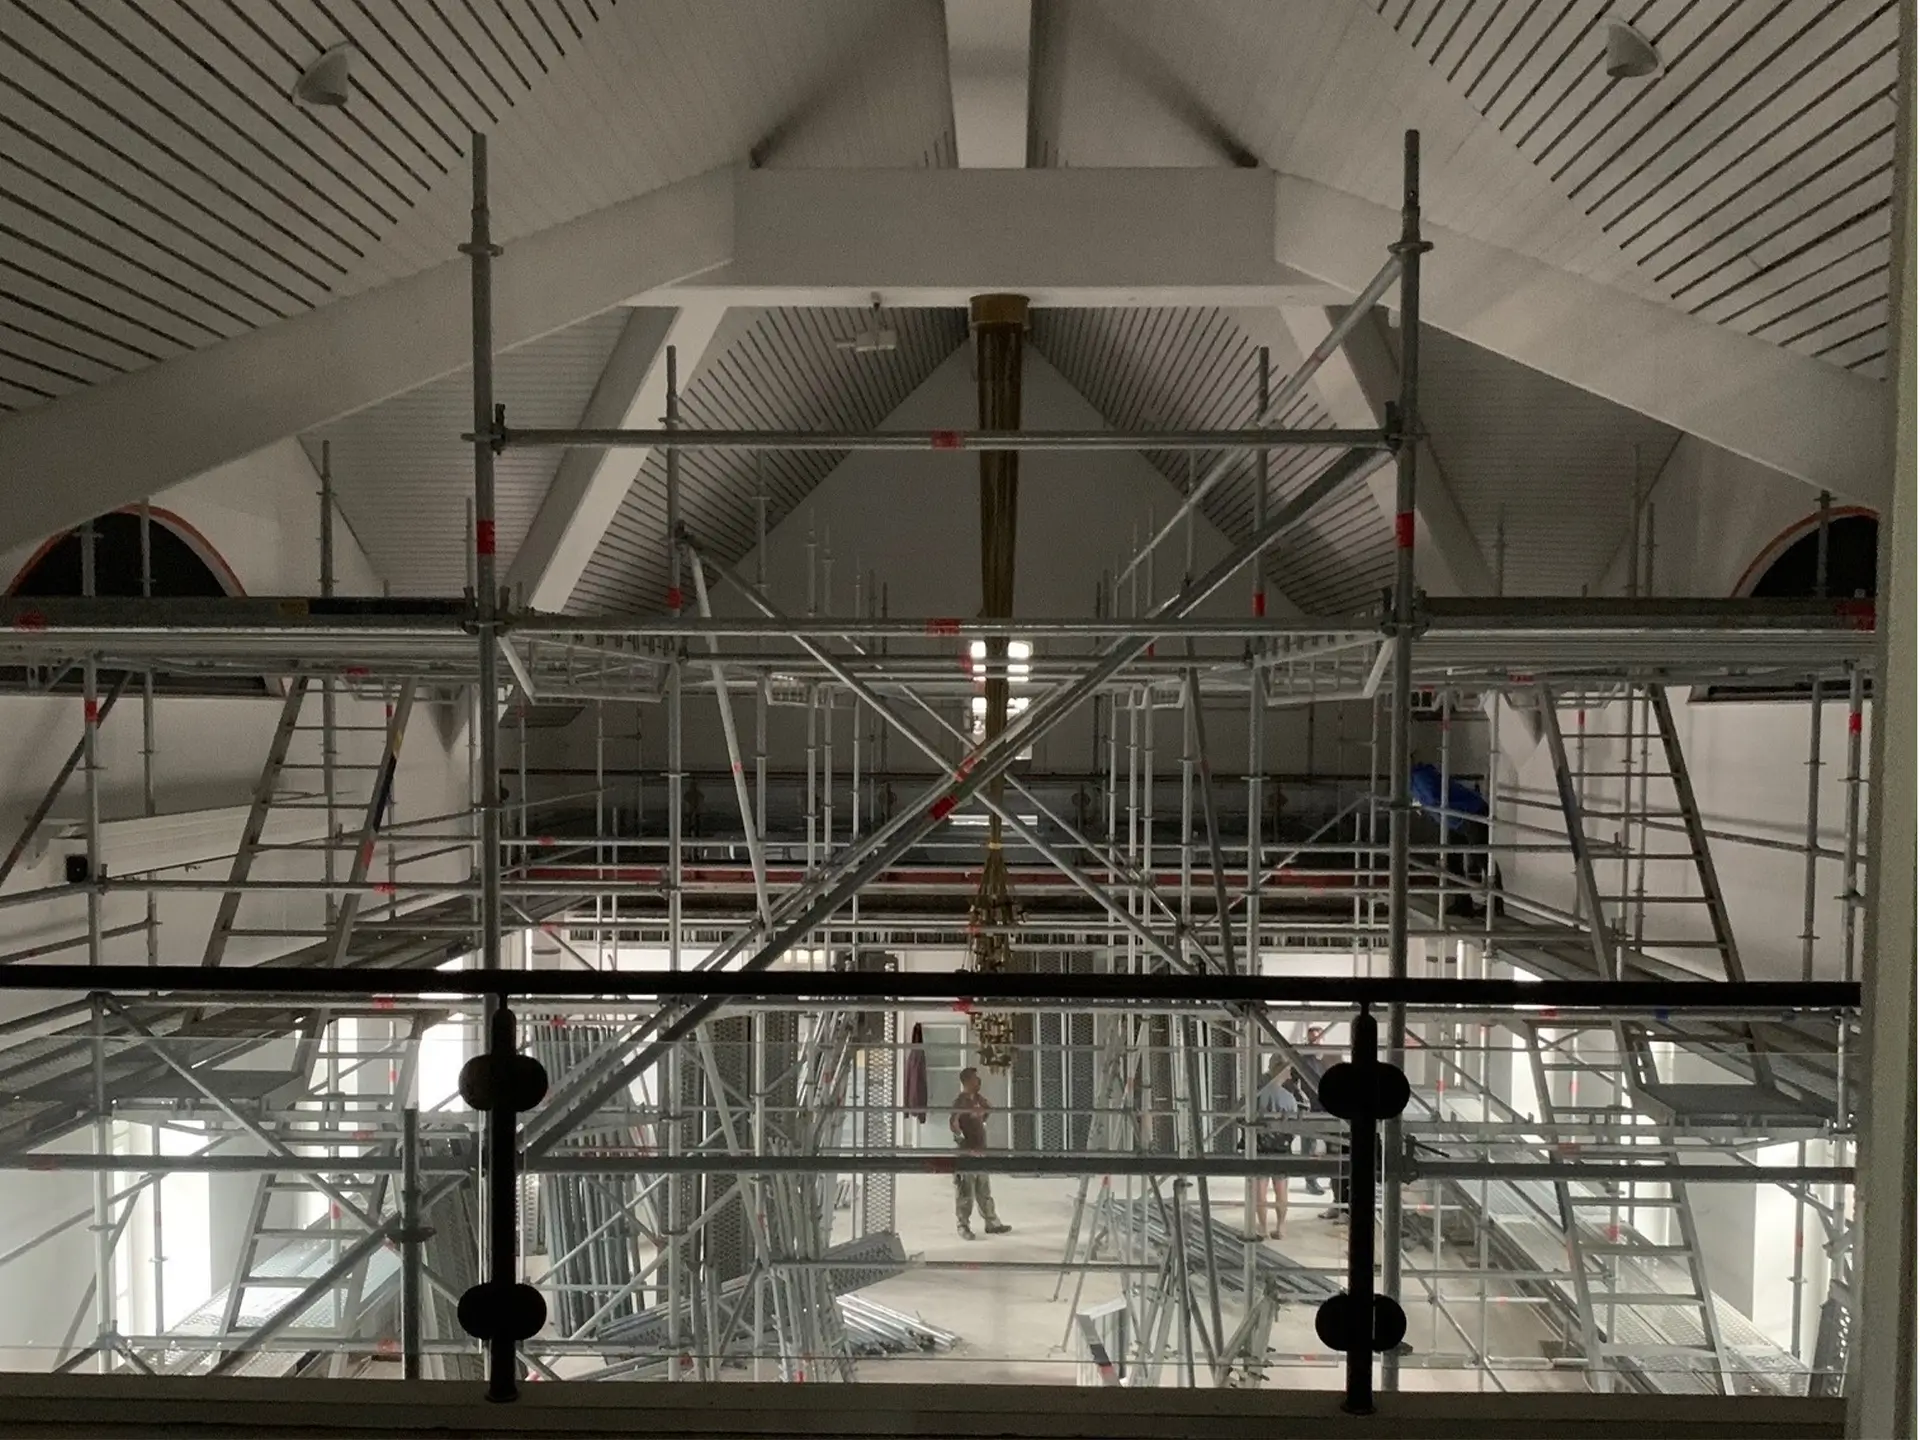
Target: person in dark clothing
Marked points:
1467	822
1307	1088
967	1119
914	1082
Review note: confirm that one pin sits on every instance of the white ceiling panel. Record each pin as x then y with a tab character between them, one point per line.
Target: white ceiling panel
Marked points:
404	476
780	369
1554	463
1323	89
1196	369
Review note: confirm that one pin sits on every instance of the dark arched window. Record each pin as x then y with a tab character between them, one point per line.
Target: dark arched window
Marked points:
1789	569
182	567
179	571
1853	557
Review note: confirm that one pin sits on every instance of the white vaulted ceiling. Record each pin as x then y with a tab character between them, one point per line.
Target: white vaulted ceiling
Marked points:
1751	182
159	192
1152	369
404	477
779	368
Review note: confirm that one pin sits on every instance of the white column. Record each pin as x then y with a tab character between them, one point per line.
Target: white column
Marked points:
1880	1379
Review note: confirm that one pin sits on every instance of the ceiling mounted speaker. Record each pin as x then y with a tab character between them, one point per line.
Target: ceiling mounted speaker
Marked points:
1630	55
325	81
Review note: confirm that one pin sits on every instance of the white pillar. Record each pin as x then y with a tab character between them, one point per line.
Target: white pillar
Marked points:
1880	1381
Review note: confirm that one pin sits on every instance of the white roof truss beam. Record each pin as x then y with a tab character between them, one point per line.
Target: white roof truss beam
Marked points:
589	485
1799	415
989	64
136	435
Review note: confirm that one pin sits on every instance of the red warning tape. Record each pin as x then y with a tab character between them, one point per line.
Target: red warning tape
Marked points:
1853	724
483	537
947	440
674	598
943	807
93	712
943	625
1403	530
1857	613
1259	604
30	620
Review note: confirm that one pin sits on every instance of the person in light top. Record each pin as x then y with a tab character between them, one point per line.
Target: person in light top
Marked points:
1277	1109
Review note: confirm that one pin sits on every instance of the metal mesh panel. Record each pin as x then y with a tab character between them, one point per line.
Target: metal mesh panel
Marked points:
586	1223
881	1121
727	1245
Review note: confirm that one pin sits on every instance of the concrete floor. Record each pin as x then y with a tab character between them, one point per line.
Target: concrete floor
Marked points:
1013	1330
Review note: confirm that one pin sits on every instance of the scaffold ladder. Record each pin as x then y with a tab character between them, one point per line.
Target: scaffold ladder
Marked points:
1641	1301
342	1085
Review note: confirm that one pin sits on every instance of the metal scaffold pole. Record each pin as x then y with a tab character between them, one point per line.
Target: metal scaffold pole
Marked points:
671	1076
1399	762
502	1172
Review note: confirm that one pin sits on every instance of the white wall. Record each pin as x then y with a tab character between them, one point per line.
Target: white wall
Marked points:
1748	762
1714	513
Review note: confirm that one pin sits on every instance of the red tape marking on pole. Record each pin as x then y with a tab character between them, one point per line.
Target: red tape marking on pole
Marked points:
30	620
943	625
1403	530
93	712
1853	724
674	598
943	807
947	440
1259	604
483	537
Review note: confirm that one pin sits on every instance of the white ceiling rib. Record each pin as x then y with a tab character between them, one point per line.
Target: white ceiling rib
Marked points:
784	369
1750	180
404	476
1195	368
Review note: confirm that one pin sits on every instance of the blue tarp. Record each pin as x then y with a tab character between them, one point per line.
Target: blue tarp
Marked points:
1462	799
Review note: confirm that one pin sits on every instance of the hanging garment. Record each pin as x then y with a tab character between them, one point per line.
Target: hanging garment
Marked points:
914	1086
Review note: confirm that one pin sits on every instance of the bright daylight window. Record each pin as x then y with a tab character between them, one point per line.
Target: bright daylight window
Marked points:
1019	674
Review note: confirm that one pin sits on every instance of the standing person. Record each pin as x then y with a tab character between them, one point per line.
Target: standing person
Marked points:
1312	1067
1278	1109
968	1121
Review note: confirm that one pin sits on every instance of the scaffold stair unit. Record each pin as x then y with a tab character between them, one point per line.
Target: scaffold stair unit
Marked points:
1633	1247
1630	810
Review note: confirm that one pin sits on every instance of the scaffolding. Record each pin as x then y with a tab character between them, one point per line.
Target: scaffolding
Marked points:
674	1199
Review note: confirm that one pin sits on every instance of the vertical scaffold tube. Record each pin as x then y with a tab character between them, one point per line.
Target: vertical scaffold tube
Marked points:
1409	249
503	1227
